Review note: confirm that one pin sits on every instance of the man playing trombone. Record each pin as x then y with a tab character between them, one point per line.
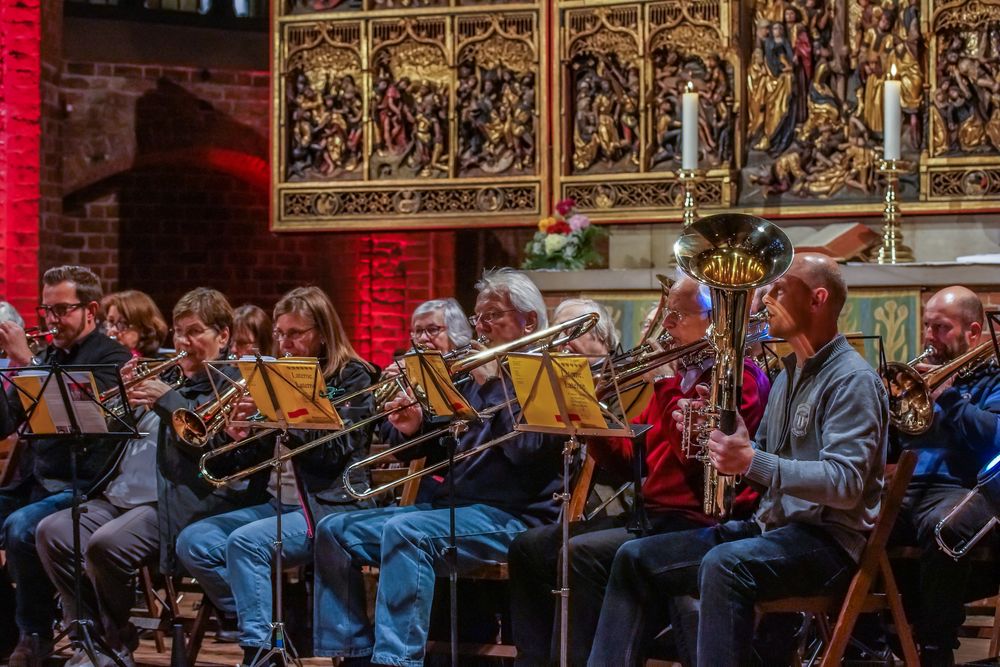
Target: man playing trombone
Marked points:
500	492
819	453
960	440
671	491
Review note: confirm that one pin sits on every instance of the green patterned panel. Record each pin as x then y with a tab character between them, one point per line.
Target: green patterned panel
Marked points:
892	314
628	311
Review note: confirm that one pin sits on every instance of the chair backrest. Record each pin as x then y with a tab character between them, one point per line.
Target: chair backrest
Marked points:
897	479
581	489
10	450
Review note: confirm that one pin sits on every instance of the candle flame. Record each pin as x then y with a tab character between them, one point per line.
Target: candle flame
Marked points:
892	71
690	85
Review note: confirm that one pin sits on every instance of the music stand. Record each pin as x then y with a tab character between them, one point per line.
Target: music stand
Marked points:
267	392
541	379
61	404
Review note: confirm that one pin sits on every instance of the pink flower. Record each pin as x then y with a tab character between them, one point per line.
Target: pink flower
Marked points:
565	206
578	222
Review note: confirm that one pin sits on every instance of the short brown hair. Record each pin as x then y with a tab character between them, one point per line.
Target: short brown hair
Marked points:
208	305
142	314
86	282
255	320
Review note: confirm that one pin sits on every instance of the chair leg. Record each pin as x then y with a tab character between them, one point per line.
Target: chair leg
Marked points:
198	630
152	604
995	632
895	600
848	616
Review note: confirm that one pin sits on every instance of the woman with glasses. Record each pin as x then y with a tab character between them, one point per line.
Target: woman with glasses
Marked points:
133	319
231	554
251	331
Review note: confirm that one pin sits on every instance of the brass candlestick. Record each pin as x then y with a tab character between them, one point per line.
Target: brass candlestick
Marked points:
689	179
892	250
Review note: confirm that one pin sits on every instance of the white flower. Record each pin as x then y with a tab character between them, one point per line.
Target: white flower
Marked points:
554	243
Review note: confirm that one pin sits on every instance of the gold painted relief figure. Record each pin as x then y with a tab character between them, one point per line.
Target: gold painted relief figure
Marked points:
605	119
815	91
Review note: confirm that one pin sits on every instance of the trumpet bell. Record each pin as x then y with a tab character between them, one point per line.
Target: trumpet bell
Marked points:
733	251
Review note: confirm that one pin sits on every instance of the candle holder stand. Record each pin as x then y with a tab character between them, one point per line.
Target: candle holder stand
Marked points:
689	179
892	250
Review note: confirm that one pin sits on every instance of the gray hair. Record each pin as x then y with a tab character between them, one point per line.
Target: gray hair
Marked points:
459	331
604	329
8	313
517	287
704	293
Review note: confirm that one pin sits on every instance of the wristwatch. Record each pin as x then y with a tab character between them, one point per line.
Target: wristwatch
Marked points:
36	361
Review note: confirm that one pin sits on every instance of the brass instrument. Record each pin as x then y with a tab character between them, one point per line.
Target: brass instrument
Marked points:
657	325
198	426
144	370
733	254
35	335
560	333
911	405
987	485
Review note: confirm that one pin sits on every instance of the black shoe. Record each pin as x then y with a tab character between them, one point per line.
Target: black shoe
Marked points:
935	656
228	631
252	656
26	654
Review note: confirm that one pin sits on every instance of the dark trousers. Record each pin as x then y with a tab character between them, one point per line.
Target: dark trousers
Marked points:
115	542
937	606
730	566
20	512
533	562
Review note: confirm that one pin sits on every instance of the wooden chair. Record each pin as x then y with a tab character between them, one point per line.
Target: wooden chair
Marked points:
863	595
498	572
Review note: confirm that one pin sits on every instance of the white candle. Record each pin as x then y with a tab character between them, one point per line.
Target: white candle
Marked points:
689	129
892	116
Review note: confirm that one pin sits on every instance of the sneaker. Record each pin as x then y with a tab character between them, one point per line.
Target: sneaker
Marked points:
25	656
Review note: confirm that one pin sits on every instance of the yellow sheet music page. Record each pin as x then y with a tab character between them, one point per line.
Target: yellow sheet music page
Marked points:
536	394
30	383
428	374
299	388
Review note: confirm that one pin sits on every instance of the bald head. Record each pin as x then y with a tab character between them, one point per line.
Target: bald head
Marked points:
958	302
820	271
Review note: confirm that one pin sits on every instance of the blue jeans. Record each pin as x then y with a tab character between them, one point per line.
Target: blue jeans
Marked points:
231	555
730	566
19	516
407	544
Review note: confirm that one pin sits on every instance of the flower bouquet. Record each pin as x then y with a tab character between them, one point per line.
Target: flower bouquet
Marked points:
565	241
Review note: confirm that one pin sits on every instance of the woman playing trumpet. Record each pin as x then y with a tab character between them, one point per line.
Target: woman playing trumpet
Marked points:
231	554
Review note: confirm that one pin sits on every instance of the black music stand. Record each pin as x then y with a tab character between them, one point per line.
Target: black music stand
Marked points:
69	392
282	647
569	393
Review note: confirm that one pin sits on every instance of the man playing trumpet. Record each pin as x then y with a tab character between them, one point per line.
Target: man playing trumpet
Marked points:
500	492
962	438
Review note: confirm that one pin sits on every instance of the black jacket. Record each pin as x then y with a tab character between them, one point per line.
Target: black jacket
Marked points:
49	463
183	495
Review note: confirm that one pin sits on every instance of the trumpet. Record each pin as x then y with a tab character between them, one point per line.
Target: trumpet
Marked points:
35	335
733	254
145	369
560	333
911	405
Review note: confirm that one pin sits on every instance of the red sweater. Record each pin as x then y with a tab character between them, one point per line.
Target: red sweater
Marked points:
673	481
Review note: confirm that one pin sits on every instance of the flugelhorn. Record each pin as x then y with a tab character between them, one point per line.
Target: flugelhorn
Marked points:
199	425
145	369
911	405
733	254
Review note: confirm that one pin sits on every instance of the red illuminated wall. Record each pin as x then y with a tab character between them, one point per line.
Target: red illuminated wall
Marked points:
20	141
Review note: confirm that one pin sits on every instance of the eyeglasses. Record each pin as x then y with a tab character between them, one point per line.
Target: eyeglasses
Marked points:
670	313
292	334
117	325
430	332
489	317
193	332
58	310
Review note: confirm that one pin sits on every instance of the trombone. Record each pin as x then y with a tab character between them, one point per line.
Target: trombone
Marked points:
560	333
911	404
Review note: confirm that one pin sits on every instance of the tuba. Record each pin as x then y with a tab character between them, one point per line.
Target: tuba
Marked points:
911	404
733	254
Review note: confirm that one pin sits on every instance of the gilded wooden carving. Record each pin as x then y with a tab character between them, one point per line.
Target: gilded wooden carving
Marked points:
416	113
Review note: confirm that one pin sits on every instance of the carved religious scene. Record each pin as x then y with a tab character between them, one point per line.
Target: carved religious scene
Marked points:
497	96
815	96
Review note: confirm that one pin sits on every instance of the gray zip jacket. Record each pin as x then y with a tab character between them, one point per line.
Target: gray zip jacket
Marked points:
821	446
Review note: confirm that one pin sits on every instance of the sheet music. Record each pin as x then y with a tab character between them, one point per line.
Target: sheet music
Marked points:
50	415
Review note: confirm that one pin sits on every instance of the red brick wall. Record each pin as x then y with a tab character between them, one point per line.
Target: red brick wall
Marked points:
20	73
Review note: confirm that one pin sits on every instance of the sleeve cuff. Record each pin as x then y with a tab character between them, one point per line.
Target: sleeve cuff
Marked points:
762	468
948	398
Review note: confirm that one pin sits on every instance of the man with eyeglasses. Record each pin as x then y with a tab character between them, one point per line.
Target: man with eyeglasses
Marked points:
672	494
71	298
499	493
